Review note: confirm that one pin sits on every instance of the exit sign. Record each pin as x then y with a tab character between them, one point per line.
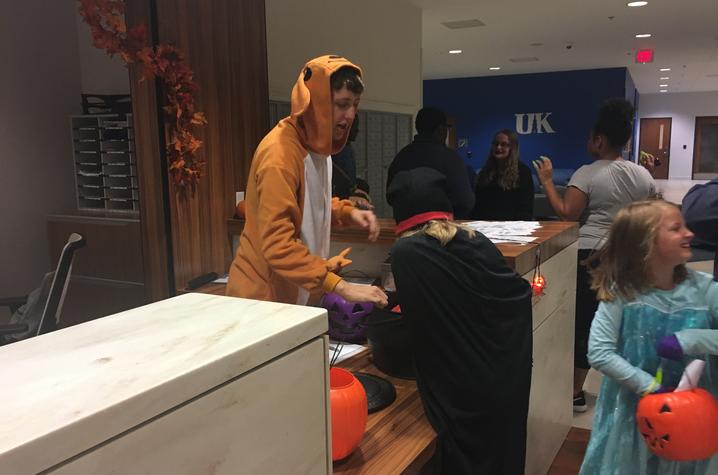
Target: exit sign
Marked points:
644	56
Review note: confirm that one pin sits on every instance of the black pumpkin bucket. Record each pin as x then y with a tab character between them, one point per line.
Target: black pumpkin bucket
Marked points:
390	342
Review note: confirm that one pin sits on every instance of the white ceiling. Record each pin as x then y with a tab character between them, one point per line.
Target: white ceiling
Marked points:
685	39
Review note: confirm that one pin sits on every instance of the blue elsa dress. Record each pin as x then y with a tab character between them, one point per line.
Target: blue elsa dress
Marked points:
622	346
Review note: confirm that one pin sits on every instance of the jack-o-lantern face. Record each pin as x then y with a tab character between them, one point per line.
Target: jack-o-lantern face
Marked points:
681	426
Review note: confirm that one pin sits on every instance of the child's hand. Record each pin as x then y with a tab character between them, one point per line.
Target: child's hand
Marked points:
656	387
669	347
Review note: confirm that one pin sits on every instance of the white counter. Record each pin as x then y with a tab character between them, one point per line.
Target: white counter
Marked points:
98	396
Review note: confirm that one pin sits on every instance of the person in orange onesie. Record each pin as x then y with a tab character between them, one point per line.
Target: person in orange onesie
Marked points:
283	249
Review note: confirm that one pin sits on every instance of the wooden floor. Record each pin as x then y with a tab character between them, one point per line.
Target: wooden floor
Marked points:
569	458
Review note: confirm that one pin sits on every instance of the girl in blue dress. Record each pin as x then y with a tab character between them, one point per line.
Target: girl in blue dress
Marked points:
654	312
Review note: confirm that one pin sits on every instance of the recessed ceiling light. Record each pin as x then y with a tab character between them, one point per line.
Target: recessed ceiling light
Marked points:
454	51
664	78
494	68
663	90
665	69
663	85
643	35
637	4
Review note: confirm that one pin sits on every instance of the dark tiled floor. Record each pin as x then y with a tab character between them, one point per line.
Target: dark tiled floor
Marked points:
569	458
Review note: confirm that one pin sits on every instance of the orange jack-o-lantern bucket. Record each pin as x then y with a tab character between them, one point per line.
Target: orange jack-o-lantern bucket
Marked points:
349	412
681	426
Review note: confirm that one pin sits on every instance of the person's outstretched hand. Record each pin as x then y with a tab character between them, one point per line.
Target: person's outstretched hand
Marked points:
648	160
366	220
338	262
361	293
669	347
361	202
544	169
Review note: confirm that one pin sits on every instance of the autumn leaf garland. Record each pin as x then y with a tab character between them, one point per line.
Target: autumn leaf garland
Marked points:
106	19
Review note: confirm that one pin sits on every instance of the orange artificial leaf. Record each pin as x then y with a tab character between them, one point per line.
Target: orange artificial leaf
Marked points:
117	23
198	118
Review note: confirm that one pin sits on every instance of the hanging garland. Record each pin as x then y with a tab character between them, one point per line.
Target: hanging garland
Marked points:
106	19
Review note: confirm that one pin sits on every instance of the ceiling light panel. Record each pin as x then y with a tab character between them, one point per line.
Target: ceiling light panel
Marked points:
527	59
460	24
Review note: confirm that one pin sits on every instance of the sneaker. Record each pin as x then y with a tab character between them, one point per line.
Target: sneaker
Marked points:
579	403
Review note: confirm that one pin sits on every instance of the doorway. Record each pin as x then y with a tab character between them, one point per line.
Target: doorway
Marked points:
705	149
656	140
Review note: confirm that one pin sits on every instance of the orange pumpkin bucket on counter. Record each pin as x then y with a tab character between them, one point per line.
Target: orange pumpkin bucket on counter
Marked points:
349	412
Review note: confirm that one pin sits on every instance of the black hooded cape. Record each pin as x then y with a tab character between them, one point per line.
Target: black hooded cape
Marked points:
469	314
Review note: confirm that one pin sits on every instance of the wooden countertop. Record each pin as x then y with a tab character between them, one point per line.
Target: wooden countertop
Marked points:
553	236
398	438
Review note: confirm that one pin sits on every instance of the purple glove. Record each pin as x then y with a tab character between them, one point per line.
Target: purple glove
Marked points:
669	347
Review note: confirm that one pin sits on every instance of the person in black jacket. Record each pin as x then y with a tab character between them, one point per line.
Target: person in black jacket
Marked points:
429	150
504	187
469	316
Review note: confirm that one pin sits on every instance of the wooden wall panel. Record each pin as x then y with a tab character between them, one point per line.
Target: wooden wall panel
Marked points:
112	251
151	171
225	44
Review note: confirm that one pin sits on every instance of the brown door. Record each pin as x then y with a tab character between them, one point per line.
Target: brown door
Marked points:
705	149
656	140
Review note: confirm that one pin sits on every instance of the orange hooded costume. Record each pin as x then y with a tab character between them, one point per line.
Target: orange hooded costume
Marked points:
272	261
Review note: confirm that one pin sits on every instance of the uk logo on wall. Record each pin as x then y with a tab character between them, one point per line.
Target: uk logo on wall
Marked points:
533	123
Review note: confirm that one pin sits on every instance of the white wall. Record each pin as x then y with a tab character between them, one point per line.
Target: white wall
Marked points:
99	73
39	89
682	108
382	37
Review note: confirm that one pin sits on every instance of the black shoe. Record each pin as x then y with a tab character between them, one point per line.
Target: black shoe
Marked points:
579	403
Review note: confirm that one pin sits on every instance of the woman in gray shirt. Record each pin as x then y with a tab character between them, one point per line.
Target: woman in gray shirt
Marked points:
593	196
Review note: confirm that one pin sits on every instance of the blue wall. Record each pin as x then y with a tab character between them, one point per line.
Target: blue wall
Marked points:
484	105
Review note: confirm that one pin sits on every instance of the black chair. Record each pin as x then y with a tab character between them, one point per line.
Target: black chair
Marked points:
49	297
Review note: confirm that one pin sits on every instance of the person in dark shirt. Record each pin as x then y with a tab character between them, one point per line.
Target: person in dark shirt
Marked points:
504	187
345	183
429	150
469	317
700	210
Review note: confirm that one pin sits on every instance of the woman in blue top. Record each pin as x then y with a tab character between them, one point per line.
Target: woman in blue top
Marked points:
651	307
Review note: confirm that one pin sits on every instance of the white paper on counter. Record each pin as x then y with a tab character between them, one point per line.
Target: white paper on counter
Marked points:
506	231
345	352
